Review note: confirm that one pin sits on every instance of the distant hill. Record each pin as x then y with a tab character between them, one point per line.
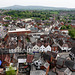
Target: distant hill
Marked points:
18	7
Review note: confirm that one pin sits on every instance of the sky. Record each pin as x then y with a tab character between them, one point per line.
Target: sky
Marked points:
49	3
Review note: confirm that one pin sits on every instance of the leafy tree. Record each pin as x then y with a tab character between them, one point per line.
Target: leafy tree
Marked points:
66	27
11	71
8	18
69	21
6	25
43	15
72	32
63	27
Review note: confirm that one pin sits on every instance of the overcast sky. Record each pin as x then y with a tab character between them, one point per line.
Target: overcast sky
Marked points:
50	3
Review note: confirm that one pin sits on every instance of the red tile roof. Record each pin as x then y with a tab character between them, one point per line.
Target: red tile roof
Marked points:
2	57
29	58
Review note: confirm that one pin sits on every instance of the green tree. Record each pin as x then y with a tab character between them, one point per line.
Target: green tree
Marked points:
68	27
72	32
6	25
69	21
7	18
63	27
11	71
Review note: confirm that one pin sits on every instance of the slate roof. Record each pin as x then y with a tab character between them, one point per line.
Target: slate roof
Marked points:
54	45
60	61
70	64
73	73
32	39
51	73
72	42
2	34
73	50
38	72
46	57
73	21
52	53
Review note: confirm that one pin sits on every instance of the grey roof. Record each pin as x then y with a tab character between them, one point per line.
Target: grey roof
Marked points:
71	40
51	73
73	21
73	73
37	55
62	69
38	72
32	39
54	44
2	34
73	50
60	61
14	27
70	64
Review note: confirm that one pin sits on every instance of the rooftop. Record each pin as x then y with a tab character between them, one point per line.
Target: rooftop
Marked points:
19	30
